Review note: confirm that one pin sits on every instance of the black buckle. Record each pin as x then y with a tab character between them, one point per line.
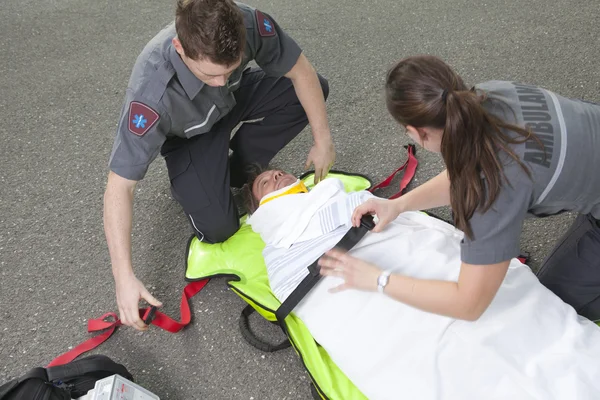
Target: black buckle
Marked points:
315	269
367	221
150	315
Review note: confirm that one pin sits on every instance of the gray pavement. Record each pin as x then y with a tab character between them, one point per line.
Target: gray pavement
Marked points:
64	67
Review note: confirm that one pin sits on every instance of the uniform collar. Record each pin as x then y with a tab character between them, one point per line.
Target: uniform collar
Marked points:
190	83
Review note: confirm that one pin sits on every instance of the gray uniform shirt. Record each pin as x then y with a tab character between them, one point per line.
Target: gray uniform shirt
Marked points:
164	99
564	178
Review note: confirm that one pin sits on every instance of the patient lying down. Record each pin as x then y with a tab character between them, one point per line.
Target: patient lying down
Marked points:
529	344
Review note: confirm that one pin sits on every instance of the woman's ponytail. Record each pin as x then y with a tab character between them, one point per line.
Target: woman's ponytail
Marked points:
470	156
423	91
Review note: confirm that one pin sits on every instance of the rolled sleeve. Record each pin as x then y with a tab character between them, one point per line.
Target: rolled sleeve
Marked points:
496	233
134	150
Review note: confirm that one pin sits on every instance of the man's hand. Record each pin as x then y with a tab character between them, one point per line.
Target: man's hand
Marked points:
322	155
129	292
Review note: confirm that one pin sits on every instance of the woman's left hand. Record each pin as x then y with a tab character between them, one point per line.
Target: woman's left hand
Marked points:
357	274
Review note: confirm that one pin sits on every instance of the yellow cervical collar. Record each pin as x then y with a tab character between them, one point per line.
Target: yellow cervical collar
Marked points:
296	187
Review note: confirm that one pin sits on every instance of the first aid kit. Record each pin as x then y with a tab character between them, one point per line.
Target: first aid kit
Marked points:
116	387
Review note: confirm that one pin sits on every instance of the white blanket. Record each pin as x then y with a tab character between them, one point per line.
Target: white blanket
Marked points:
527	345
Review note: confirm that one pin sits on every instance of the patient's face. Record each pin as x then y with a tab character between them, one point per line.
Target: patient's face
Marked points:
270	181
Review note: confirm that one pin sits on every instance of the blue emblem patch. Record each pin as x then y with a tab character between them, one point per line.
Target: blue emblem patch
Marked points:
265	26
139	121
141	118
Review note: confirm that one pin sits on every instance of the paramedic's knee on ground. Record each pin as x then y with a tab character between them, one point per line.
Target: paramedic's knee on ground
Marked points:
572	270
213	225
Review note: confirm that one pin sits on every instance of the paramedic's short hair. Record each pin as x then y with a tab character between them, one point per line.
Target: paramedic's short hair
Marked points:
251	203
211	29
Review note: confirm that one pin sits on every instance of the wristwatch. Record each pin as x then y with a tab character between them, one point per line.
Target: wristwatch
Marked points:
383	280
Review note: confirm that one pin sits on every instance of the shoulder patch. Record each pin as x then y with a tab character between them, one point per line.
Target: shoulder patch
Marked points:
141	118
265	25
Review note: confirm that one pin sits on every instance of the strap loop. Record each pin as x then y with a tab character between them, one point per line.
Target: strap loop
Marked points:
158	319
254	340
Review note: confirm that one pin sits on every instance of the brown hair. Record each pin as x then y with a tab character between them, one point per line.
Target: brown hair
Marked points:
250	201
212	29
423	91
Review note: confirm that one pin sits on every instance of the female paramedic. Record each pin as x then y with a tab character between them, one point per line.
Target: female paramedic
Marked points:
511	151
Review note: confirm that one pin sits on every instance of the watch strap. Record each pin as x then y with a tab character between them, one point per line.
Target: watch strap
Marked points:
383	280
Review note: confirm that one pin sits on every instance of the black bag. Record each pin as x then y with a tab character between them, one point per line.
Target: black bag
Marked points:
62	382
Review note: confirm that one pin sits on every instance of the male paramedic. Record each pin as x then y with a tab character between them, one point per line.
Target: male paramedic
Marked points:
188	90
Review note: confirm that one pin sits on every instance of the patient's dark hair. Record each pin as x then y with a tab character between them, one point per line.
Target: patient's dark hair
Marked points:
252	172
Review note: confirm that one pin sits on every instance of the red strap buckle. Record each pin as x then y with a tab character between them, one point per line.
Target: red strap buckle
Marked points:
150	315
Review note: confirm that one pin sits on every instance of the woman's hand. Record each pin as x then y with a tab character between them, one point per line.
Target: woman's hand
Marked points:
386	211
357	274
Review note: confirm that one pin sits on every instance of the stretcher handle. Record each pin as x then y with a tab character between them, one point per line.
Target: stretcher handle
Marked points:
254	340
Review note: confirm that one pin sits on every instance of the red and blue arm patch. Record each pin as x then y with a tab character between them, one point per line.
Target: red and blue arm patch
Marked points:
141	118
266	27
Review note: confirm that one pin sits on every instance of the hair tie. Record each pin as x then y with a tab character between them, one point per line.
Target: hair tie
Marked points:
444	95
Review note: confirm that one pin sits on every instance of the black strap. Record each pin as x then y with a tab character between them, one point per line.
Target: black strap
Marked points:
254	340
350	239
97	364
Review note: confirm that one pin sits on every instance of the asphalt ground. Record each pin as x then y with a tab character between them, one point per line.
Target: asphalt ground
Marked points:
64	67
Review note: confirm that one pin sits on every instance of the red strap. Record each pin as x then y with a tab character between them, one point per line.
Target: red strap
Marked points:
523	257
167	323
410	167
161	320
94	325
